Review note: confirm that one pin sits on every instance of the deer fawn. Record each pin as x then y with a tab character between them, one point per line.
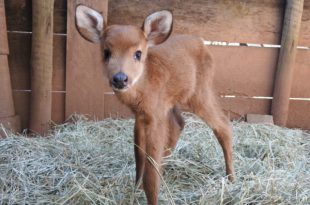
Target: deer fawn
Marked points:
155	77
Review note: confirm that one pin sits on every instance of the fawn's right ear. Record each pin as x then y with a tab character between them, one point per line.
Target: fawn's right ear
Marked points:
158	26
89	22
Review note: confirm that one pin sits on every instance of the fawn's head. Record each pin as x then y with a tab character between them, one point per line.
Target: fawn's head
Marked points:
124	47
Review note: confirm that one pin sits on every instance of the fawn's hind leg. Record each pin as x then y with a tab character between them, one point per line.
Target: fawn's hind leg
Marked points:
207	108
176	125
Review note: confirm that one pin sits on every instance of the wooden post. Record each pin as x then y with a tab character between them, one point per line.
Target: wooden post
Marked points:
7	111
285	69
42	65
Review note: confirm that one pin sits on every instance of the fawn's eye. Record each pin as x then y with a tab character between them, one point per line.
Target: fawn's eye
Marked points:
137	55
107	54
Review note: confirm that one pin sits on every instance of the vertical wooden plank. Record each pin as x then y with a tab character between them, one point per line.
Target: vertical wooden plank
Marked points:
22	107
301	85
59	79
4	48
85	80
19	63
304	39
6	99
7	111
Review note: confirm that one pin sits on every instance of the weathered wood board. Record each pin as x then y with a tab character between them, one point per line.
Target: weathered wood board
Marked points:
244	71
19	61
246	21
22	107
4	49
85	82
6	103
301	83
304	39
299	114
19	15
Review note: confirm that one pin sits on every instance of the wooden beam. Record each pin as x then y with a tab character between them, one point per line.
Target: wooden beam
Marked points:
285	69
42	65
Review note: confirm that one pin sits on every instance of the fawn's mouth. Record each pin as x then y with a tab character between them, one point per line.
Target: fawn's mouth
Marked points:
117	88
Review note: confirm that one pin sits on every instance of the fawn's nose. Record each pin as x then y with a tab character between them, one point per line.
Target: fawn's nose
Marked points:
120	80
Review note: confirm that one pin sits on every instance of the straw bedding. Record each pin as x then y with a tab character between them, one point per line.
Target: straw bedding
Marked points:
89	162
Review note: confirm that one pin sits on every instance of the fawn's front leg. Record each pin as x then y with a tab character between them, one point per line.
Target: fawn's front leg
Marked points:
156	136
139	135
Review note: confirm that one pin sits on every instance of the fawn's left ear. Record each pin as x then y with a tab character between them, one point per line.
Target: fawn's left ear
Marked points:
89	23
158	26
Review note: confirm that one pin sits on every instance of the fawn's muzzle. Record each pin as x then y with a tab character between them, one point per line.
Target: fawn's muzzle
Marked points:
120	80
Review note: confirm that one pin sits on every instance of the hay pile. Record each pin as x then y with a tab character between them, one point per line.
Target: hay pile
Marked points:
93	163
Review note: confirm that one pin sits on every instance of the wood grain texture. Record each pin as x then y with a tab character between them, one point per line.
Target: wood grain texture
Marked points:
85	81
19	14
236	21
244	71
58	107
6	98
304	39
59	63
248	71
225	20
299	114
301	84
7	112
41	66
286	63
4	48
59	79
19	61
22	107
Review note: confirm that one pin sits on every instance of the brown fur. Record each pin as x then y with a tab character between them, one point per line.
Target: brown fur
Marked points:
177	73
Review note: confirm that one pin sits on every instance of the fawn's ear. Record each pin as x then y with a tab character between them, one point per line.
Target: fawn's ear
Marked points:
89	23
158	26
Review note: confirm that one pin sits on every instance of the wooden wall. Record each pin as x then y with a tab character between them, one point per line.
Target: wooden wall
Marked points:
19	20
244	72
